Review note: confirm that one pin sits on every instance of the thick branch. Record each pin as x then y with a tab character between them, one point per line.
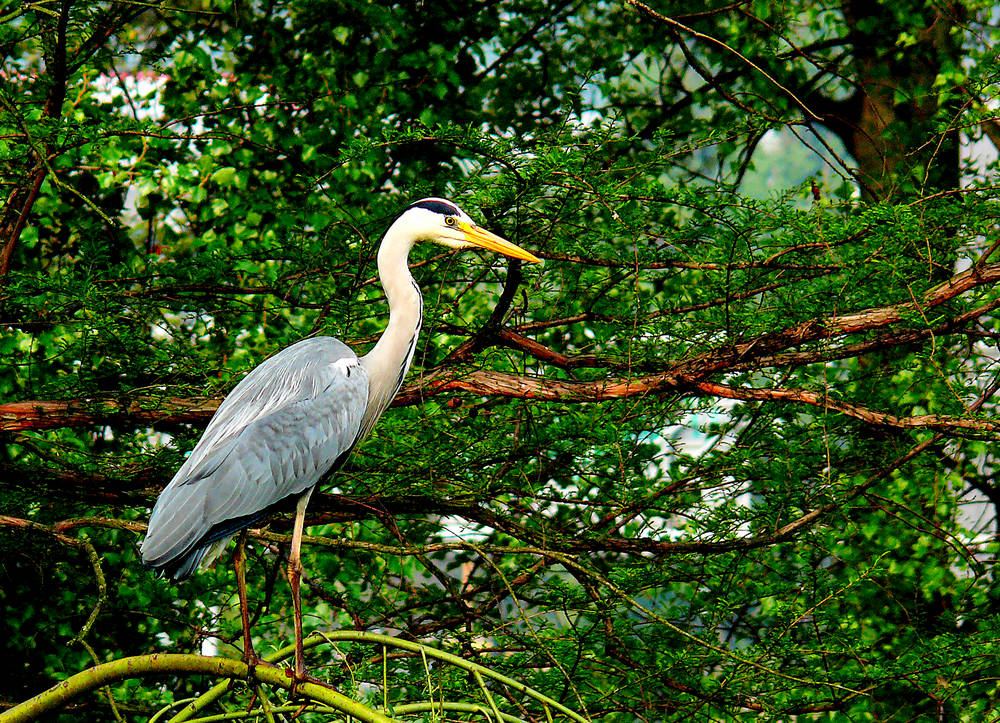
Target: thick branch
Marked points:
52	414
867	320
144	666
680	376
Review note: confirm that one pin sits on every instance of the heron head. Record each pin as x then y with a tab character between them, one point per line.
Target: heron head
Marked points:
443	222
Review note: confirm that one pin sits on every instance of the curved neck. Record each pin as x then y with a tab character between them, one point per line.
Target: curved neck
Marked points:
389	360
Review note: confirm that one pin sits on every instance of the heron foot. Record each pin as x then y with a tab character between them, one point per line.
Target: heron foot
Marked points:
254	661
298	678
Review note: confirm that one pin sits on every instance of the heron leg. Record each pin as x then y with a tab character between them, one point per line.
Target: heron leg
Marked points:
240	563
294	577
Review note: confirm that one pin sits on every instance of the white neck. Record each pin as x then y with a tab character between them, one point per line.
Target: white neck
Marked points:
389	360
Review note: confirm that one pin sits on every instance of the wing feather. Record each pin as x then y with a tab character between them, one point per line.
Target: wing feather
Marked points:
277	434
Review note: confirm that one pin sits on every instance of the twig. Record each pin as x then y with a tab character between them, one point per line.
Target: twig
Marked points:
92	557
649	12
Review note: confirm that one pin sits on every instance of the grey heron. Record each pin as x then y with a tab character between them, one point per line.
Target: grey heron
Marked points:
294	419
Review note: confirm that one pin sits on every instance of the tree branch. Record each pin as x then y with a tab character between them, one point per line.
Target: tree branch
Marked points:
142	666
53	414
680	375
21	200
857	411
676	26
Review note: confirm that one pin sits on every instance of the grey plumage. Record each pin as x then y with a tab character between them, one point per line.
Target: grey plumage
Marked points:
281	429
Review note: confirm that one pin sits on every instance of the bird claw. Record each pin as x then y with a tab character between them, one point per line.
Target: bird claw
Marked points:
253	661
298	678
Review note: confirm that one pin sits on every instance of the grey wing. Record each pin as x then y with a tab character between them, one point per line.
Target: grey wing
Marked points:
280	430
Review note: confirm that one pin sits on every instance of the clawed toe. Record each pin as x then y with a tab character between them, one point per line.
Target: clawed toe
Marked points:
298	678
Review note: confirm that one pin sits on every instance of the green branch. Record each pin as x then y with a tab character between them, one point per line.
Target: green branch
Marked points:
479	672
143	666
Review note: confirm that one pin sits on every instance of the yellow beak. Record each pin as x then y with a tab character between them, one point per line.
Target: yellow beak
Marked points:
484	239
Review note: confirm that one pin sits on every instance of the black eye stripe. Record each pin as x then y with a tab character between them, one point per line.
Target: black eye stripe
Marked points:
442	207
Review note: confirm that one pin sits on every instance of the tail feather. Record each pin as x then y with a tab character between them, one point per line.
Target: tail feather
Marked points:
180	565
183	566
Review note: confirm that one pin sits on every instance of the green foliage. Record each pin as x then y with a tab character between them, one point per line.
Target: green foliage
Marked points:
746	468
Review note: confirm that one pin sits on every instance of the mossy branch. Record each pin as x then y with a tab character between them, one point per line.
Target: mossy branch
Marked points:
479	672
147	666
144	666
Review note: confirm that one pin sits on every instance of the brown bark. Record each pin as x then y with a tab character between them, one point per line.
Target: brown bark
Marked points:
688	375
681	375
52	414
895	105
691	373
21	199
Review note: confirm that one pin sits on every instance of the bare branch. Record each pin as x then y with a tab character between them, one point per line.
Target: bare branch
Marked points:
51	414
857	411
140	411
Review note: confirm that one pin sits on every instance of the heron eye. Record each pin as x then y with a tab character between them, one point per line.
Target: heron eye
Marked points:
450	220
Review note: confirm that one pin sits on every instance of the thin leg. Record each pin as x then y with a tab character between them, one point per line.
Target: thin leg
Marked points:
294	577
240	563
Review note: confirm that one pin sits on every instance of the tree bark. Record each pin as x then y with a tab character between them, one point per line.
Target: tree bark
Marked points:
22	198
